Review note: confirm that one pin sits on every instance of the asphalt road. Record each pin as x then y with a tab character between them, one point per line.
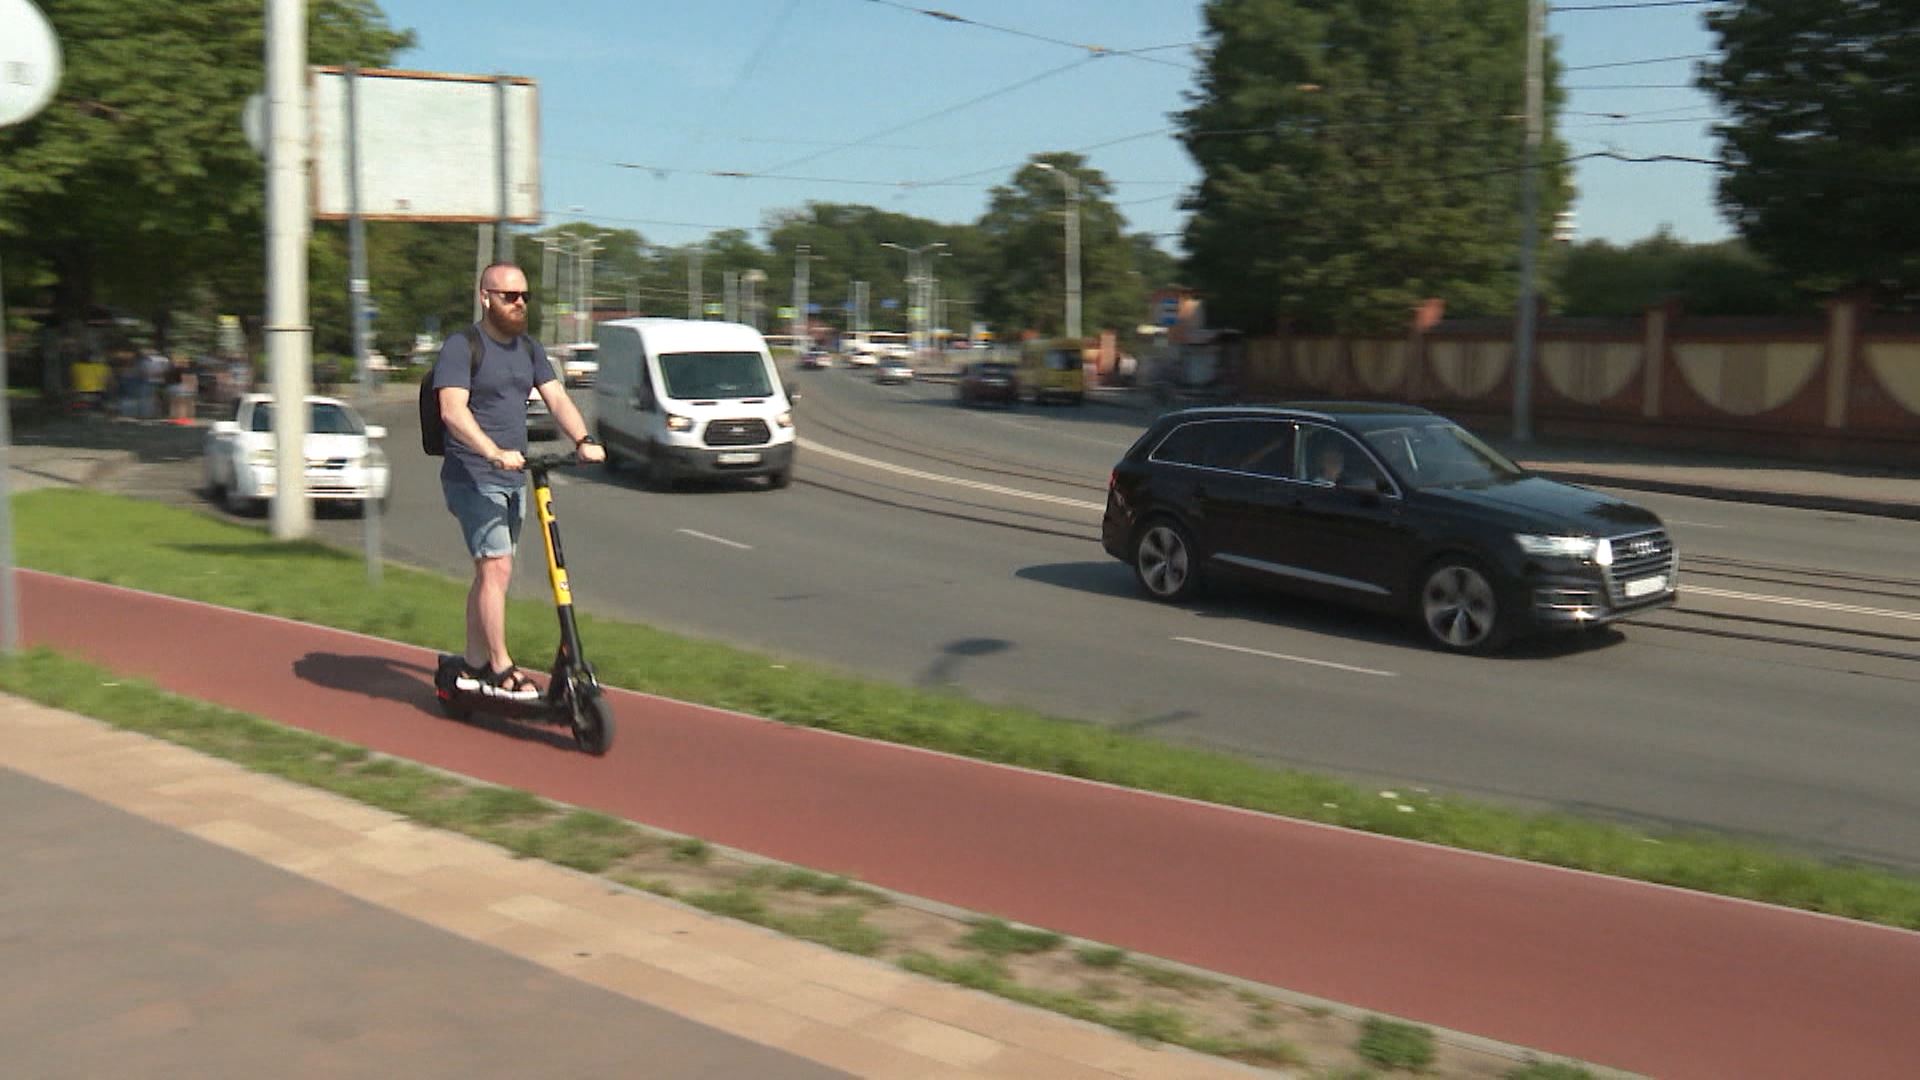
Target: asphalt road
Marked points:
935	546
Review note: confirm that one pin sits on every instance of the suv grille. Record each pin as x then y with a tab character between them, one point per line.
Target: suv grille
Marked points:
736	433
1637	556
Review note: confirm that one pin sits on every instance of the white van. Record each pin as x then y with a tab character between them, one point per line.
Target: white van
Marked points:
679	397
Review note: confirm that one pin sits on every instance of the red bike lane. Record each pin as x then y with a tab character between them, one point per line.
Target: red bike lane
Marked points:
1656	980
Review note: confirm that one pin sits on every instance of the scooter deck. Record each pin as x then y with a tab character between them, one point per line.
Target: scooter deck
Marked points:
542	710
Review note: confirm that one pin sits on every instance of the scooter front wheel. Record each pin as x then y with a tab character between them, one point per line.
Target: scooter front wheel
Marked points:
592	722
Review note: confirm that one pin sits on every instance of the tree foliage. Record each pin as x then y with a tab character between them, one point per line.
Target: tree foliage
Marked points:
1727	278
1359	156
1025	228
136	182
847	243
1823	139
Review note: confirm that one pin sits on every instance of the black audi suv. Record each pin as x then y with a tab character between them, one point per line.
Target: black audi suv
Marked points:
1387	507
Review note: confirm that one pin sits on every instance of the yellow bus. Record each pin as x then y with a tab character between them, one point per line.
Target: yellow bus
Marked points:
1053	369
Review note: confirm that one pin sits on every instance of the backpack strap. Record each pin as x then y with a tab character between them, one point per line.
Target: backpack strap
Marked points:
475	350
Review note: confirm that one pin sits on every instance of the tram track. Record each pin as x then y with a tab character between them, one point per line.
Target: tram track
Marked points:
869	434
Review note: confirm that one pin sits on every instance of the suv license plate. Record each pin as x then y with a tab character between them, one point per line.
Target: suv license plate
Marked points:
1646	586
738	459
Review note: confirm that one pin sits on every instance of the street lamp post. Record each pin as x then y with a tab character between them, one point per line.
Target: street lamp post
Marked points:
916	281
1072	184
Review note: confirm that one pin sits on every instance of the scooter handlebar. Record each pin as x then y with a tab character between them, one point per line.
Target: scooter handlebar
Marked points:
552	461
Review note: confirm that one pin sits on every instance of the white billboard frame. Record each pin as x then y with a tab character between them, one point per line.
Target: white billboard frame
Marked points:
429	145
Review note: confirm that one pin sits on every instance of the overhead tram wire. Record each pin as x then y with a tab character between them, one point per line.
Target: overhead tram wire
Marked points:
936	114
1641	63
1091	50
1635	6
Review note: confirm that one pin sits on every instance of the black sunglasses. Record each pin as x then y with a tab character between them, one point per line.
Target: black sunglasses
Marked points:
511	296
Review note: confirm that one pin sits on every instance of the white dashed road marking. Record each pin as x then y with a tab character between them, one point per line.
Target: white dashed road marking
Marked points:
717	539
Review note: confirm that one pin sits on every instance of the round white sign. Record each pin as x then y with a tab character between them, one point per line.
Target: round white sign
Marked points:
29	61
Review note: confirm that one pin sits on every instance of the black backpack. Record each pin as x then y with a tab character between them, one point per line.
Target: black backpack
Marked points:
433	431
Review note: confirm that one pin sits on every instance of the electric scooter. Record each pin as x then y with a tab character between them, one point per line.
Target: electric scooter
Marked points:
573	696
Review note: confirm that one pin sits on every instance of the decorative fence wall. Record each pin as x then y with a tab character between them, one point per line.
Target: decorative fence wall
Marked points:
1844	388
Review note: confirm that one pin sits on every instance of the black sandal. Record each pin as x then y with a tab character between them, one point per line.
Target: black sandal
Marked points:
512	684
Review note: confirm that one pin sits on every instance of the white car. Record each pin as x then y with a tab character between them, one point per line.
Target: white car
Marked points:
579	363
344	462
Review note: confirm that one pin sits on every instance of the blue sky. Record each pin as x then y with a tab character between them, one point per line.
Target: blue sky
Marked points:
780	86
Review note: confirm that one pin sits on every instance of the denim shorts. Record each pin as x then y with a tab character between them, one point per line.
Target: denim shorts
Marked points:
489	519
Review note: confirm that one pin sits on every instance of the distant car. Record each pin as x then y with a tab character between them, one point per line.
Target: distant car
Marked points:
344	461
1386	507
580	363
861	356
987	381
816	359
540	423
892	370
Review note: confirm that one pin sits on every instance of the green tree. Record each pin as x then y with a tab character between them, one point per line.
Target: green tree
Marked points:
847	245
1359	156
135	186
1727	278
1024	224
1823	137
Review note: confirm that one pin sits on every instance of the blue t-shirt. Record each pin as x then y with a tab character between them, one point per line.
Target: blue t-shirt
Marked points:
498	399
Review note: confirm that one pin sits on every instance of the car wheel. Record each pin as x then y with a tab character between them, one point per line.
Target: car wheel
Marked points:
1459	607
780	479
239	504
659	473
1165	562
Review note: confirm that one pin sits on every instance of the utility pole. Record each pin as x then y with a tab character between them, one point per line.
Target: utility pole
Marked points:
357	294
583	319
695	297
801	263
289	336
1072	184
1523	332
546	288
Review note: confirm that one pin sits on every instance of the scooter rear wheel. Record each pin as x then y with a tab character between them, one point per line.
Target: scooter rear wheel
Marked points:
592	723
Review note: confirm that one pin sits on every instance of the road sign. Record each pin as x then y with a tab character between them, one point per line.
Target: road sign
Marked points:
1167	311
29	62
889	304
715	307
785	311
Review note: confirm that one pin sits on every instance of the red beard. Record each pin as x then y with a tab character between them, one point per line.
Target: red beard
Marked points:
510	321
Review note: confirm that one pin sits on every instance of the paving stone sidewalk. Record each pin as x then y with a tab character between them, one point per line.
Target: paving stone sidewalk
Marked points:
174	914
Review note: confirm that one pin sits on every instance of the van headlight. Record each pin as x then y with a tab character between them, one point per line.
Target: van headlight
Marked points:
679	423
1599	552
785	419
260	458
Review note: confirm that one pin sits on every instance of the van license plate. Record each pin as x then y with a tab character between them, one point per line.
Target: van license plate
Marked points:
738	459
1646	586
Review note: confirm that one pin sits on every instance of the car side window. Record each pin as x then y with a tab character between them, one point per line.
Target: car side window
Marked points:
1262	447
1331	458
1188	444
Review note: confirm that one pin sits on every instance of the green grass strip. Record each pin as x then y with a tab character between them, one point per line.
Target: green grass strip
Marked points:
189	554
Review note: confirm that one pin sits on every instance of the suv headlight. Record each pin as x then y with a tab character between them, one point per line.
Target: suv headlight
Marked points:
785	419
1599	552
679	423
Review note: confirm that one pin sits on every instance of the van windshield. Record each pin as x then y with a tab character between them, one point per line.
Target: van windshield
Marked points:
715	375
